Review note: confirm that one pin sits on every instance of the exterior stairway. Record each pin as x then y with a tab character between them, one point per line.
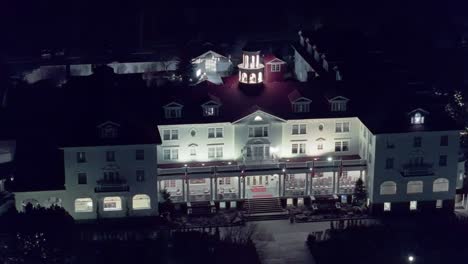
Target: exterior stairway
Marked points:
260	209
200	208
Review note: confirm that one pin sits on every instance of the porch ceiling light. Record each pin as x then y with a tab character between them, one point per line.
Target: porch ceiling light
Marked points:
329	158
284	169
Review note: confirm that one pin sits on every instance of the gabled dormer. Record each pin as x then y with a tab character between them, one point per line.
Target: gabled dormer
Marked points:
211	107
338	104
173	110
299	103
417	116
108	129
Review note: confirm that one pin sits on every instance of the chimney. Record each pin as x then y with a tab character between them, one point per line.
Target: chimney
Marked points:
309	47
316	53
301	38
324	62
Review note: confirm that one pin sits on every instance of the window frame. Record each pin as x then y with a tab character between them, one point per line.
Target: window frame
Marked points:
275	67
214	131
140	154
80	175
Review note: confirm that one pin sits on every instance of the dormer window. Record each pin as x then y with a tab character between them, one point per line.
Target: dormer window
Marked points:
211	108
108	129
338	104
417	116
417	119
299	103
173	110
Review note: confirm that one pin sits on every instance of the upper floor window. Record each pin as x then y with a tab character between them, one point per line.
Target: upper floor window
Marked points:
217	132
82	178
389	163
275	67
109	131
417	142
298	148
210	111
171	154
81	157
215	152
211	107
444	140
342	127
299	129
173	110
341	146
140	175
258	131
210	64
139	154
170	134
417	116
110	155
443	160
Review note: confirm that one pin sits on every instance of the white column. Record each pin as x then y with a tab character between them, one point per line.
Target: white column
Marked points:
334	182
243	188
215	187
257	63
239	179
187	181
211	188
183	190
306	187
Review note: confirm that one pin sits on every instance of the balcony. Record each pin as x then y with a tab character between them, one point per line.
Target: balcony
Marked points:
114	185
415	170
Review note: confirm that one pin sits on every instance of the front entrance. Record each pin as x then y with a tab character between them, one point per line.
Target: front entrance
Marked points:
261	186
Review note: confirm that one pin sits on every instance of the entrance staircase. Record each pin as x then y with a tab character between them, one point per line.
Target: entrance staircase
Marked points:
260	209
200	208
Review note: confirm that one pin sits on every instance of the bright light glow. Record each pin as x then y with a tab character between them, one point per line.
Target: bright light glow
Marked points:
185	165
329	158
310	169
198	72
410	258
258	118
141	201
284	169
273	150
417	119
229	163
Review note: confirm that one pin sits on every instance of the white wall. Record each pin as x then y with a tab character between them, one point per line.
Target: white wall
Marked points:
301	67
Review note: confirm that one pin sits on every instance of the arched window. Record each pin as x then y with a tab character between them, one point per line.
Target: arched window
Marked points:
53	201
260	77
83	205
414	187
113	203
244	77
440	185
387	188
141	201
253	78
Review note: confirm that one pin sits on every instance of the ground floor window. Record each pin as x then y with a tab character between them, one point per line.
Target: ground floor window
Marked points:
112	203
413	205
439	204
83	205
387	207
141	201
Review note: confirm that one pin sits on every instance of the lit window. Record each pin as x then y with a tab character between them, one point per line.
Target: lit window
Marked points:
414	187
210	65
417	119
112	203
275	67
169	183
140	175
210	110
440	185
83	205
388	188
81	157
141	201
439	204
258	118
413	205
387	207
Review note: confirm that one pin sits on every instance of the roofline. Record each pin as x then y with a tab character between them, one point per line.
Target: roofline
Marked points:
210	51
259	111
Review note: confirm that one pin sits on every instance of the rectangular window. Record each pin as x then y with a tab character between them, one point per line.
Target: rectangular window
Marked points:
219	152
300	129
140	175
275	67
211	153
439	204
258	131
81	157
389	163
171	154
444	141
387	207
345	146
301	107
172	134
294	149
346	127
339	127
169	183
140	154
173	112
413	205
302	148
110	156
320	146
215	132
337	146
82	178
443	160
193	151
417	142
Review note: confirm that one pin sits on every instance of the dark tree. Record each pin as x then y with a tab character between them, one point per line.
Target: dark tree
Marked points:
166	206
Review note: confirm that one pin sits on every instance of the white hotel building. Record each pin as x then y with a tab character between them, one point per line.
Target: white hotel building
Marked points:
247	138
